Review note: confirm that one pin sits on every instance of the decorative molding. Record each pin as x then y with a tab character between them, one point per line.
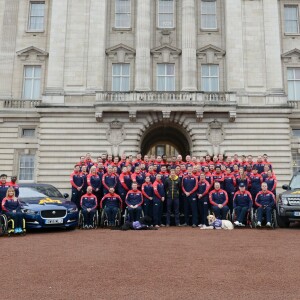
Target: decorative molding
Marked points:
232	116
165	38
120	53
215	133
210	53
39	54
116	124
132	115
99	116
165	51
116	134
291	56
199	115
166	114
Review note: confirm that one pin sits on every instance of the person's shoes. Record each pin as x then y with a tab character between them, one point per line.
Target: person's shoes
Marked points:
91	227
156	226
200	225
268	224
237	223
162	225
168	225
86	227
194	226
242	225
183	225
258	224
17	230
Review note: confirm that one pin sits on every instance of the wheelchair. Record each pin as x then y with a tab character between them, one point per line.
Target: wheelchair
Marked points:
264	221
228	215
104	218
248	220
81	220
126	215
7	226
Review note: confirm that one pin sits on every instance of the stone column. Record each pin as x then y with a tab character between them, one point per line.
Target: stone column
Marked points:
8	37
234	45
189	59
272	46
57	45
142	45
97	45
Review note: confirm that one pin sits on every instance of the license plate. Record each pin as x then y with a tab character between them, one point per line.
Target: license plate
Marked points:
297	213
54	221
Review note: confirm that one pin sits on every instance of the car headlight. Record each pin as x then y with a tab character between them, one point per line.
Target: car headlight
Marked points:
284	200
29	212
72	210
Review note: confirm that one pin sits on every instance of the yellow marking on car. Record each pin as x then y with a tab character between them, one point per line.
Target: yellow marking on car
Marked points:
49	200
296	192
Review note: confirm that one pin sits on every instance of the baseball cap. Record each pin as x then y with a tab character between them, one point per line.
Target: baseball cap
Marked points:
242	185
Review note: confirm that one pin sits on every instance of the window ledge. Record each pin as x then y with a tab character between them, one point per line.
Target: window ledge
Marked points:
166	28
35	31
209	30
291	34
122	29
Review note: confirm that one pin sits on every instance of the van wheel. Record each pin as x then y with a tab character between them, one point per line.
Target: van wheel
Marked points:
283	222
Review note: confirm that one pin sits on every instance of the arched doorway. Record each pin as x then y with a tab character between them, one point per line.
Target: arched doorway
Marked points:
166	139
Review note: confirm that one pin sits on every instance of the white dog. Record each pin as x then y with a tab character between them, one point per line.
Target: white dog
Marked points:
215	223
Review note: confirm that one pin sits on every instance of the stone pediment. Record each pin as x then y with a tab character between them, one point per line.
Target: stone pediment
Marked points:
166	48
291	56
210	53
120	52
32	52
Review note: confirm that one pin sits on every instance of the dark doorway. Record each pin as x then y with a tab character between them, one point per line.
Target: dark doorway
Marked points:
167	137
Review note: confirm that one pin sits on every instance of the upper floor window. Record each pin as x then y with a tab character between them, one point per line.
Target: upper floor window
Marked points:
165	77
165	13
36	16
28	132
32	82
122	14
208	14
210	78
293	76
26	167
121	77
291	19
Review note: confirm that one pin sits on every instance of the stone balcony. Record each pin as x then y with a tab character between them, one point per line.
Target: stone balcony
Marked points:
165	98
19	104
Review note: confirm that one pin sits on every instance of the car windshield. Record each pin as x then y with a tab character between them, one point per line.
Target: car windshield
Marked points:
295	182
39	191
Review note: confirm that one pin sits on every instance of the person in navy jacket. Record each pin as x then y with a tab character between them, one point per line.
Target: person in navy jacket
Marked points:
94	180
265	201
189	188
77	183
109	180
256	181
202	193
12	207
13	183
88	204
111	203
271	182
148	193
242	203
229	186
134	202
124	184
158	199
218	199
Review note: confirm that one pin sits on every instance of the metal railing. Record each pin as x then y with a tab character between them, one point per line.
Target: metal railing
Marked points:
20	103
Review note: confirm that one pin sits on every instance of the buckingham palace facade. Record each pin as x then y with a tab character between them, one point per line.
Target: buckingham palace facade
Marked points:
123	76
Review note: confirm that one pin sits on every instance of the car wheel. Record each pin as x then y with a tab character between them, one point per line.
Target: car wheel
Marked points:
71	228
283	222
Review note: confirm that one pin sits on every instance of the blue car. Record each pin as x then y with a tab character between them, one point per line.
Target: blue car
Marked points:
45	207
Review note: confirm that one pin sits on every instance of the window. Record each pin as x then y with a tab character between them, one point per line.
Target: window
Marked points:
32	82
36	16
293	75
121	77
165	13
122	14
296	132
165	77
26	167
210	78
26	132
208	14
291	19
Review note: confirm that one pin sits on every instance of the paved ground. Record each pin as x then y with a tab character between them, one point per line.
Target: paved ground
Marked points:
173	263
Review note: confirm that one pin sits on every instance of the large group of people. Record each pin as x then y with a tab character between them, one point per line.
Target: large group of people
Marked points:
172	186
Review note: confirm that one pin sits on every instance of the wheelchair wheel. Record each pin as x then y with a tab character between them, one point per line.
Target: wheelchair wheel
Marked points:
103	219
233	217
80	220
96	220
274	219
118	218
3	224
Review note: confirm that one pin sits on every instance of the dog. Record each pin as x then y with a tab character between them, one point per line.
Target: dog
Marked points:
215	223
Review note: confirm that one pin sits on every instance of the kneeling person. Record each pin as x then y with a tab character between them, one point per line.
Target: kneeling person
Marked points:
242	203
111	202
88	204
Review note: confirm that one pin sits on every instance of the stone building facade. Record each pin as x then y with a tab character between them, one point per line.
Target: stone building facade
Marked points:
197	76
